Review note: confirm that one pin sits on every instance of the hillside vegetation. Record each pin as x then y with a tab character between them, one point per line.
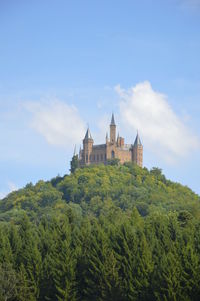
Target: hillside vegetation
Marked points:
101	233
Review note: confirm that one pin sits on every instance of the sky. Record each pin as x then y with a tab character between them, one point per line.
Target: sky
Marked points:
65	65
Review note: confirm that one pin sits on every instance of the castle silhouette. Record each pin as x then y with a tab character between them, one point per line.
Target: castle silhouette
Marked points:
113	148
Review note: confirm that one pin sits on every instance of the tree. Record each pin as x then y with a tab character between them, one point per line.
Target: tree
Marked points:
8	282
157	172
97	266
74	163
29	255
57	281
114	161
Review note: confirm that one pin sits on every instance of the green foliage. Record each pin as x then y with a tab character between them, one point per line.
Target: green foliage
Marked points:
116	232
113	161
74	163
8	282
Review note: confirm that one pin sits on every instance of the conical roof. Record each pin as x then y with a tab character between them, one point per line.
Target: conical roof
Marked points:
112	120
88	134
137	140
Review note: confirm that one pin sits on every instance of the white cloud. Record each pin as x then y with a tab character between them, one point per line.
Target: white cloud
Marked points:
11	187
59	123
163	132
2	195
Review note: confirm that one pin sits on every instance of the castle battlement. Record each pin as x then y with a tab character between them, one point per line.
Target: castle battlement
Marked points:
113	148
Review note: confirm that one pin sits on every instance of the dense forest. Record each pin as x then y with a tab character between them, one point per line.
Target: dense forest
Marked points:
116	232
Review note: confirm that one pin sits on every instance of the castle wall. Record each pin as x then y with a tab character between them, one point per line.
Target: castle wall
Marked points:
124	155
98	154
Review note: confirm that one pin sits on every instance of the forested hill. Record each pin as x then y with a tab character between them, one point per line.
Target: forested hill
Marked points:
94	190
101	233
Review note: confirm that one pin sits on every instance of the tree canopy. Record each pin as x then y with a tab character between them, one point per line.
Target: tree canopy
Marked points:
116	232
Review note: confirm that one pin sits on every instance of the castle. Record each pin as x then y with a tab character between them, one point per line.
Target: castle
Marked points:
113	148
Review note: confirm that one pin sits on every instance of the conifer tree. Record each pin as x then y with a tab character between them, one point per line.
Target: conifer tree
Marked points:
74	163
29	255
8	282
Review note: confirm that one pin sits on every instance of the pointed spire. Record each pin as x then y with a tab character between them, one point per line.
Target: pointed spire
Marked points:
112	120
80	152
137	140
88	134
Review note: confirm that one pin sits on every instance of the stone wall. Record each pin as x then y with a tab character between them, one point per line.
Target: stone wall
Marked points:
100	154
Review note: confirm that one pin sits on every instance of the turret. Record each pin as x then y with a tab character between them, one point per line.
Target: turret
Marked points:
80	153
87	147
107	138
137	151
75	150
112	130
118	139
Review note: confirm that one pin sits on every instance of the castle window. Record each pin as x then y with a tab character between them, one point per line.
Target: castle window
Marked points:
94	157
90	157
112	154
86	158
101	157
97	157
105	157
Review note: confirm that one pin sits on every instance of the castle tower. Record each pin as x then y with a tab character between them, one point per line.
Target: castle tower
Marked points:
87	147
112	130
137	151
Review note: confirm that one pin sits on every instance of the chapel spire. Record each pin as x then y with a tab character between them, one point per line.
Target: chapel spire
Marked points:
137	140
112	120
112	130
88	134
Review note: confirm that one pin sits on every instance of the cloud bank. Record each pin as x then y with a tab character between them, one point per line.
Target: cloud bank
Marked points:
59	123
11	187
162	131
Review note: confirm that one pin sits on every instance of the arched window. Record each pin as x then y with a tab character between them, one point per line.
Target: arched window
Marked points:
112	154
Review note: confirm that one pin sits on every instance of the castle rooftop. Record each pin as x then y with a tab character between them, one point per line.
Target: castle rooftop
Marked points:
88	134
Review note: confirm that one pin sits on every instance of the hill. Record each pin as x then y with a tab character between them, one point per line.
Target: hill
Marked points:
89	190
101	233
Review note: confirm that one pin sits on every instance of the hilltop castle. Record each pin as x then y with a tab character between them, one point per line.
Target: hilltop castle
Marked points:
113	148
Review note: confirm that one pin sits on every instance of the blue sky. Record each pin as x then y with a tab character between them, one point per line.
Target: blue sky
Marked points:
64	64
